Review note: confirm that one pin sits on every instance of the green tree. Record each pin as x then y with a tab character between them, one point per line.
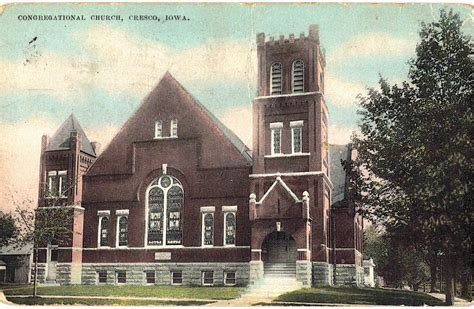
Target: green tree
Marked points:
8	229
415	145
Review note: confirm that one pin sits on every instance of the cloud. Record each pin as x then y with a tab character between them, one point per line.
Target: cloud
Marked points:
340	135
20	150
370	45
342	92
119	62
19	159
239	120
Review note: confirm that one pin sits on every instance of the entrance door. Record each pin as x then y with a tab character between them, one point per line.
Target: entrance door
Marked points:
52	260
279	247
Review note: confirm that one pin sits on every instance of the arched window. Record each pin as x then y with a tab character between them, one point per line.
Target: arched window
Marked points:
104	231
165	202
297	75
208	229
122	231
275	79
229	228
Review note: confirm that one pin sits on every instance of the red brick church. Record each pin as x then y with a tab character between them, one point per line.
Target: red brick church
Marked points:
177	198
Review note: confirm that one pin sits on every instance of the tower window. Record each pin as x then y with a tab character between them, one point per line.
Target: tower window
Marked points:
62	175
276	79
296	136
158	129
174	128
52	183
276	137
298	76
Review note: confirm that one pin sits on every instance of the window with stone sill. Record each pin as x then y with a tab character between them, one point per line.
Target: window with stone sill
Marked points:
176	277
120	277
103	231
296	136
174	128
122	231
207	278
276	140
229	228
208	229
150	277
229	278
158	129
102	277
56	184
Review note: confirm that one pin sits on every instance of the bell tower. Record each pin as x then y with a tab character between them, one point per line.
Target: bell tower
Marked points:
289	185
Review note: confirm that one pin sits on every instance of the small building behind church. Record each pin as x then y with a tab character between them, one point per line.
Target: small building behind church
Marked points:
177	198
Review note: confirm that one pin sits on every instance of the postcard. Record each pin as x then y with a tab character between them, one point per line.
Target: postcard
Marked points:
236	154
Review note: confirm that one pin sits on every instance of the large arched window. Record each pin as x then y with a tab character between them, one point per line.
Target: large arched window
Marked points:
297	74
276	78
165	202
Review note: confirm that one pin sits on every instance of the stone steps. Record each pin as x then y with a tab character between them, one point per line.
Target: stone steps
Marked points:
282	270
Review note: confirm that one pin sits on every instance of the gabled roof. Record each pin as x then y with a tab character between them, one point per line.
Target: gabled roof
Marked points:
61	139
234	139
282	184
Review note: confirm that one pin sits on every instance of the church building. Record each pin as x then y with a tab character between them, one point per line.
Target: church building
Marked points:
177	198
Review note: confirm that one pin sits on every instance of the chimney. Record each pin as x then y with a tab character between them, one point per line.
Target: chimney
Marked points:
260	39
314	32
281	40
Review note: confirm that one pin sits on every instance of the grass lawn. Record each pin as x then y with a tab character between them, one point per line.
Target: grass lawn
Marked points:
363	296
129	290
100	302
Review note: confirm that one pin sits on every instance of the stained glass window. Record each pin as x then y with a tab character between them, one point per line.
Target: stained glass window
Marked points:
165	211
104	231
276	141
123	231
230	228
208	229
155	216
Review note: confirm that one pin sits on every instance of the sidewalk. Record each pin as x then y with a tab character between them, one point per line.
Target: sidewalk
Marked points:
263	292
458	302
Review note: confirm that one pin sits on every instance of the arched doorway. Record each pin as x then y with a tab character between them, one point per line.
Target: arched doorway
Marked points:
279	255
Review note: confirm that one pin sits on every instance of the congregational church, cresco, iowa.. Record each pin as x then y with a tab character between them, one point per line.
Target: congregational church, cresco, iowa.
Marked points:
177	198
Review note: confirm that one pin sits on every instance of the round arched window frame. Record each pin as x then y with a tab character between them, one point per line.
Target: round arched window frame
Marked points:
164	212
297	76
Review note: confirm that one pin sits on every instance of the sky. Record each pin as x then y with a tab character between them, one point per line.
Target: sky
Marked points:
101	70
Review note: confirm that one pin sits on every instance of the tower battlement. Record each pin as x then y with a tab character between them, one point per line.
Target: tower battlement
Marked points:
313	35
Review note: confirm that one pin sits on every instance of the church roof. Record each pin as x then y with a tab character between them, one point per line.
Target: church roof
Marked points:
61	139
234	139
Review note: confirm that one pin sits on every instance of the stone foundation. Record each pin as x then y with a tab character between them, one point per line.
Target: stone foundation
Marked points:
41	276
191	272
349	274
304	272
322	273
256	271
63	273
